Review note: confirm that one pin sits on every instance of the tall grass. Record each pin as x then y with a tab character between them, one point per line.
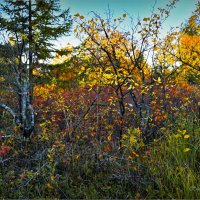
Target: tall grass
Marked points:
175	163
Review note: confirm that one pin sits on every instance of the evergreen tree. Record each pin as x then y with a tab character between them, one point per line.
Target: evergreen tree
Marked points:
31	26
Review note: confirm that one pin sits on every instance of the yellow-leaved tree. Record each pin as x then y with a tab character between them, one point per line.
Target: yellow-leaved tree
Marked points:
117	58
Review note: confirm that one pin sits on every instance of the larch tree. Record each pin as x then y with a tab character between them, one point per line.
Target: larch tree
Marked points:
31	27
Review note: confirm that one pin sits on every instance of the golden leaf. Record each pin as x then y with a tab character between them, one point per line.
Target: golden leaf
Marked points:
186	150
52	178
135	154
146	19
132	140
77	15
182	132
78	156
186	136
49	186
110	137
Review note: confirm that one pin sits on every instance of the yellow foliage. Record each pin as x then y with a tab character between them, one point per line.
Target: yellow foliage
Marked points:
186	136
190	50
132	140
182	131
186	150
49	186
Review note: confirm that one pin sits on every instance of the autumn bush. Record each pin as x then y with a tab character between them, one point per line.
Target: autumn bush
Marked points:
75	152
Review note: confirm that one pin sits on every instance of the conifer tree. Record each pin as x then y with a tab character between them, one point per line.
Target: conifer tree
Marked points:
31	26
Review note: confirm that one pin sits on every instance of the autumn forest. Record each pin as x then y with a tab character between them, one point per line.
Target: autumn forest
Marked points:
115	117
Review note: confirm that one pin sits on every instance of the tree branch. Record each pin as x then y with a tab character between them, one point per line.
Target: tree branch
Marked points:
8	109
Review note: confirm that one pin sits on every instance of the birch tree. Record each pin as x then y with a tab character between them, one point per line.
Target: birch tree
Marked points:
31	26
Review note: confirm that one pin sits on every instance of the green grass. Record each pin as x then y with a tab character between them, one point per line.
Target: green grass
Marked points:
175	170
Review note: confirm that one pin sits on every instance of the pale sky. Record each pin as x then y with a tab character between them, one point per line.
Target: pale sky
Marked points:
135	8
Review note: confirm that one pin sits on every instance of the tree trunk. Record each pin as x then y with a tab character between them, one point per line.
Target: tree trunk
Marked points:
30	54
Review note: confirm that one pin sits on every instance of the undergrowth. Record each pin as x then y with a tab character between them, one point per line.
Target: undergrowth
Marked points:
168	167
